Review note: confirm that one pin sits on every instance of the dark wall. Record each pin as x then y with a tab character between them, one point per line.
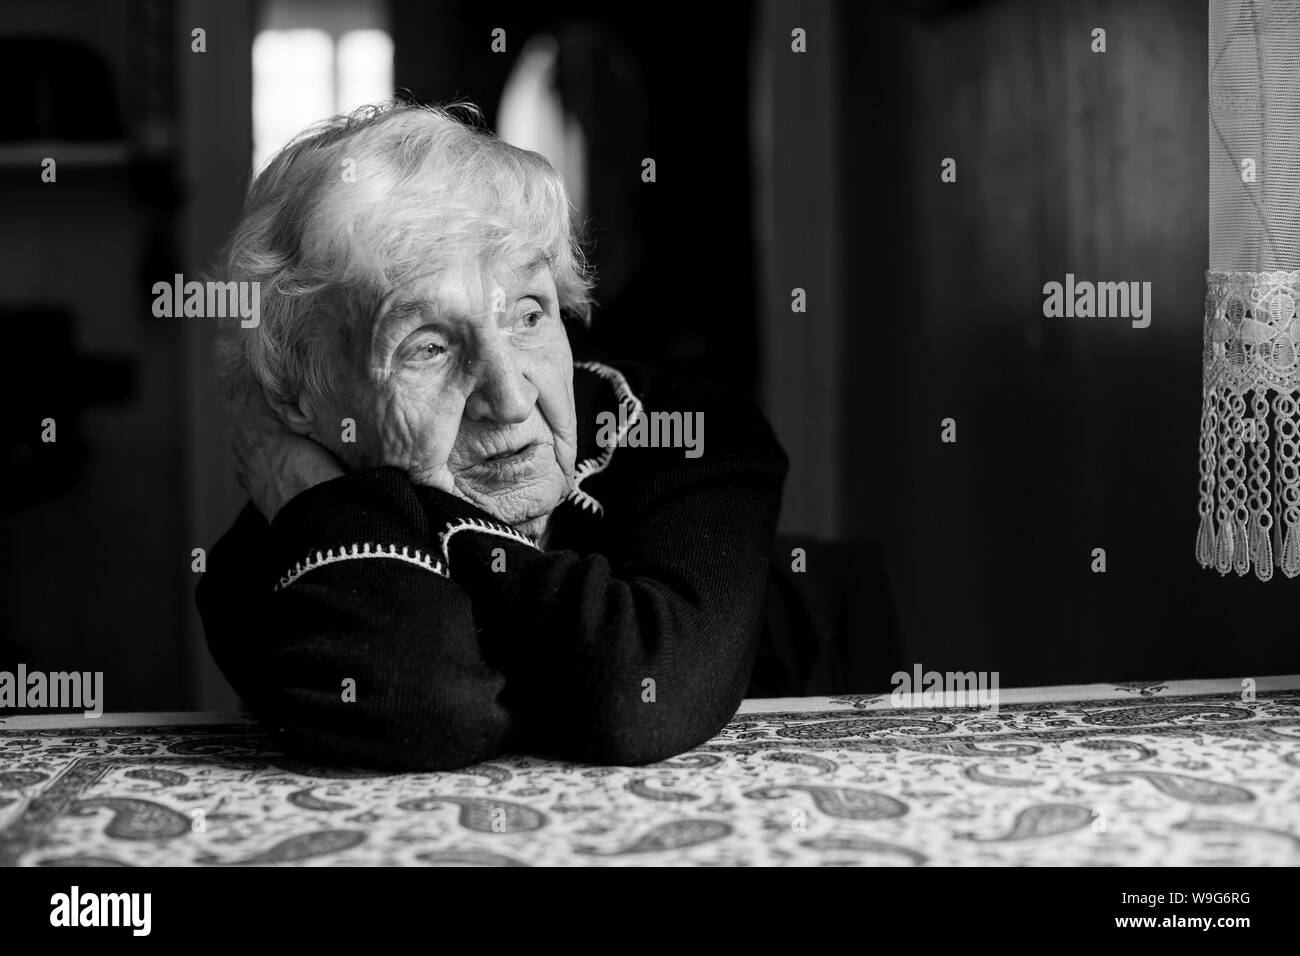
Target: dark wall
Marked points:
93	560
1073	434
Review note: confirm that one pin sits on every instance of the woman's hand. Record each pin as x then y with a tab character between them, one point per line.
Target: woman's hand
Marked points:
273	463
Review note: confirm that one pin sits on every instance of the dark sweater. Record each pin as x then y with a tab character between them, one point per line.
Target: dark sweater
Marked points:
628	640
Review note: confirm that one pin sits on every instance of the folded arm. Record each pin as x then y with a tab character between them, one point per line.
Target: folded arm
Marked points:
341	631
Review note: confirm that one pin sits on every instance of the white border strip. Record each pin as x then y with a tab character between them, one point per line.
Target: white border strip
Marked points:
482	527
1065	693
360	552
593	466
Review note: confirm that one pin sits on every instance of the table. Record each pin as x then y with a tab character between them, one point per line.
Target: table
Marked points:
1134	773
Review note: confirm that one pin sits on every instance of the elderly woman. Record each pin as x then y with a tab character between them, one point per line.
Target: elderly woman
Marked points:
443	559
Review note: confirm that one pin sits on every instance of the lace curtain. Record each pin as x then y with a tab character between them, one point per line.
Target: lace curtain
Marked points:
1250	419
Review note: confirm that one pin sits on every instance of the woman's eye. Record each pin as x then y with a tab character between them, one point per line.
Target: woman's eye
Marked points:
429	351
533	319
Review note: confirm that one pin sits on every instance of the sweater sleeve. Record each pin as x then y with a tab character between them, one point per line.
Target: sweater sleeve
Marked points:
344	634
642	649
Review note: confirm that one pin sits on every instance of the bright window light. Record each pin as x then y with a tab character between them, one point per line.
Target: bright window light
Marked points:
301	76
293	86
365	65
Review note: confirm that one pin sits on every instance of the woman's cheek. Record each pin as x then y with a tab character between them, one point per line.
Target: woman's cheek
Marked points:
557	402
563	418
419	432
400	441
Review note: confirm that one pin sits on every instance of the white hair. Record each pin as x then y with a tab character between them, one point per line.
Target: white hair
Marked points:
354	205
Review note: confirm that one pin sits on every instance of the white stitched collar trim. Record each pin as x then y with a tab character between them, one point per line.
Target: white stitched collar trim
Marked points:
593	466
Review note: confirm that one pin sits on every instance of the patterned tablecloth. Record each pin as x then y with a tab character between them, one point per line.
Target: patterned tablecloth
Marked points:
1143	773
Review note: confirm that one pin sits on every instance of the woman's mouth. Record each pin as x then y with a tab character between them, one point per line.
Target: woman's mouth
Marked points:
508	455
510	465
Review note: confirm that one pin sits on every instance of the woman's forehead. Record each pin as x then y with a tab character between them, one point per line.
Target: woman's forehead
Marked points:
475	275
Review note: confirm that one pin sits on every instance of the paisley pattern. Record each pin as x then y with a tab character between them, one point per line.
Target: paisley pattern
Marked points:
295	849
976	773
1154	773
820	764
484	814
669	836
1189	789
165	778
136	819
642	788
1139	752
840	802
1040	820
309	801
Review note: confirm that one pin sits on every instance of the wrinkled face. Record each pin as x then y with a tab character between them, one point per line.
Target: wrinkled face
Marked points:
463	378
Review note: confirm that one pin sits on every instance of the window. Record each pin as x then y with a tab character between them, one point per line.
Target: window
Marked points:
312	61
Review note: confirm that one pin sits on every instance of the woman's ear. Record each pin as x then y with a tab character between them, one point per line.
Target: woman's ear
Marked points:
299	417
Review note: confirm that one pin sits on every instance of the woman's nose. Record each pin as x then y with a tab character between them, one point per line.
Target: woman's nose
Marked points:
501	390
